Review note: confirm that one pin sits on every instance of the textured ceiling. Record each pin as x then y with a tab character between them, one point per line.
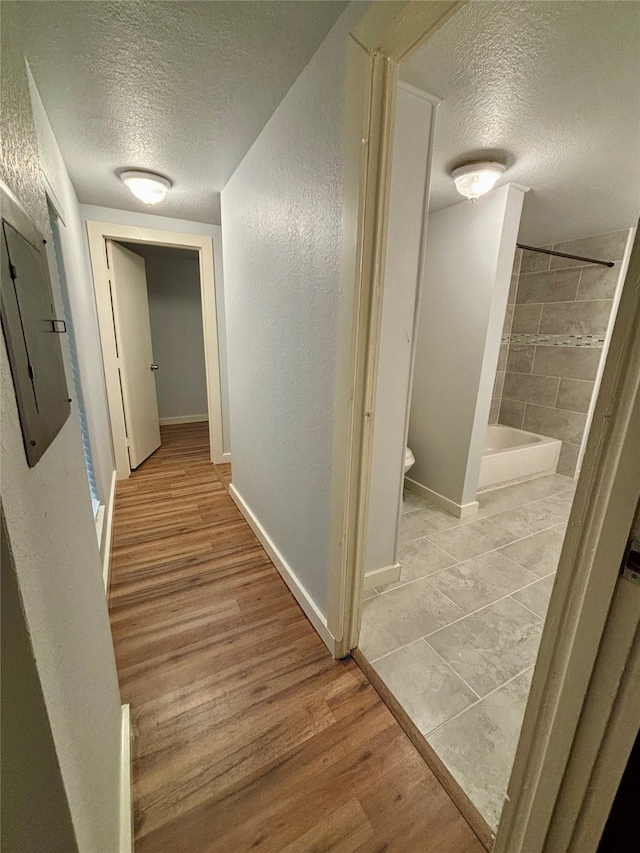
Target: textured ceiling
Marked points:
181	88
553	90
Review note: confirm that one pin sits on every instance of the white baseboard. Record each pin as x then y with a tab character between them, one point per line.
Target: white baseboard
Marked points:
184	419
126	783
107	533
220	460
459	510
383	576
303	598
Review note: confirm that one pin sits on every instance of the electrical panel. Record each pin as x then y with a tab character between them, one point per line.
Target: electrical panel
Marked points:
32	331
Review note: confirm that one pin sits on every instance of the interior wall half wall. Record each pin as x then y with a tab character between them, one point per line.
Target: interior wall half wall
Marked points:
469	259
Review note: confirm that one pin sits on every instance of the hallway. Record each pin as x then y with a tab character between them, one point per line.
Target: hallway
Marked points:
247	735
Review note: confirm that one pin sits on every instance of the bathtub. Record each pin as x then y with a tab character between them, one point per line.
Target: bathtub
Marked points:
513	454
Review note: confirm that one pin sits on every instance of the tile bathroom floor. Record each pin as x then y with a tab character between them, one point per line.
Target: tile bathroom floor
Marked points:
456	639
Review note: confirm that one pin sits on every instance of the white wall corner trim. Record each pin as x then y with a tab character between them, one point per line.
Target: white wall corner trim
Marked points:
108	533
303	598
220	460
380	577
184	419
99	520
126	782
459	510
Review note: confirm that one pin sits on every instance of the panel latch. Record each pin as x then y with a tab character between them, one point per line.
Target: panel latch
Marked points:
631	562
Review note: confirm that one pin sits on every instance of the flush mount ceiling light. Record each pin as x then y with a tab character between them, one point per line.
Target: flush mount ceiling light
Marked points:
147	186
476	179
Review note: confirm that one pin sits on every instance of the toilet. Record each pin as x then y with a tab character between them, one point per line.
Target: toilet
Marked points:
409	460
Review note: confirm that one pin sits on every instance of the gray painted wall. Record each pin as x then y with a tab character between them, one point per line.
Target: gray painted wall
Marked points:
53	539
282	237
175	309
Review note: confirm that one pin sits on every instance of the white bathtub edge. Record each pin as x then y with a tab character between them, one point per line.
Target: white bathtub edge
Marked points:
459	510
519	461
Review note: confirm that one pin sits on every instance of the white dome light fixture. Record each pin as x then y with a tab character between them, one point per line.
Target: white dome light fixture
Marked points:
475	179
147	186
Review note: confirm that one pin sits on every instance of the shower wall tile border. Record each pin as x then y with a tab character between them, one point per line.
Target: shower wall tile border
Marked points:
544	345
593	341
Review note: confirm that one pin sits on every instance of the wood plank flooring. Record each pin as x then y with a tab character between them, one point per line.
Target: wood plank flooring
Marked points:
248	736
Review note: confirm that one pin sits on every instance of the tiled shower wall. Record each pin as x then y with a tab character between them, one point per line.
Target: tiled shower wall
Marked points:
555	325
498	385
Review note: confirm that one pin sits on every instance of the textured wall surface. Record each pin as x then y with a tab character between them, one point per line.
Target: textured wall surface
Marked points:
561	313
550	89
282	231
469	258
179	88
184	226
53	540
79	284
175	309
406	210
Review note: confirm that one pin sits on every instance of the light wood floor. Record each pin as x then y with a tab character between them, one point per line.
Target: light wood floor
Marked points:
247	734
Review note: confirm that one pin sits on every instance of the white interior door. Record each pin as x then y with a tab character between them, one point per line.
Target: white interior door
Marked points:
135	354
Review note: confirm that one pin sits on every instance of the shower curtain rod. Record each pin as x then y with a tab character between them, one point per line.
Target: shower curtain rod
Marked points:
564	255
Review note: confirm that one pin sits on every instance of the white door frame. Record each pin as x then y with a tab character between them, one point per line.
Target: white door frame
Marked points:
543	791
99	233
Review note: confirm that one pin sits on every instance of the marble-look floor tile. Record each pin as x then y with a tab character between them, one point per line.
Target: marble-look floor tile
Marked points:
418	559
481	580
560	503
525	520
517	494
400	616
499	500
480	744
473	539
538	553
536	597
416	524
491	646
448	517
411	502
428	690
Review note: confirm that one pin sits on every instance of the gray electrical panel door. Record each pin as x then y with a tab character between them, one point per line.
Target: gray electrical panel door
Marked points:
32	332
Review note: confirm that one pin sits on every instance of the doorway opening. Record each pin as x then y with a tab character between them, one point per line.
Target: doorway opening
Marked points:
175	362
506	353
169	317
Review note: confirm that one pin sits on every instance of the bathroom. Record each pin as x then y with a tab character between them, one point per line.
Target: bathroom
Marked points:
489	366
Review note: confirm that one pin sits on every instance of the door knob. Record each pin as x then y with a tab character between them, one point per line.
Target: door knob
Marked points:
154	367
